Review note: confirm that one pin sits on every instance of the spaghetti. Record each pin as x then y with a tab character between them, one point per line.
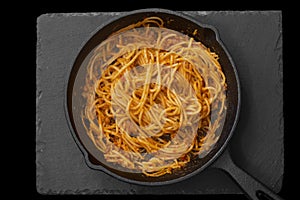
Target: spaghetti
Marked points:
155	98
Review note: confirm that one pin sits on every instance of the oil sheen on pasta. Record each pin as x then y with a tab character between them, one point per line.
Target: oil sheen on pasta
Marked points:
155	99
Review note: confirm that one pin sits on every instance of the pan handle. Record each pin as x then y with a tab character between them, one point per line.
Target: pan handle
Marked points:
253	188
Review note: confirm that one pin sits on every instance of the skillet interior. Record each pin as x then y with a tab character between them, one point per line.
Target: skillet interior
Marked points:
172	20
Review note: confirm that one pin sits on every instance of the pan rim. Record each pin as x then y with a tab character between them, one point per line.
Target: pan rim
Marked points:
71	125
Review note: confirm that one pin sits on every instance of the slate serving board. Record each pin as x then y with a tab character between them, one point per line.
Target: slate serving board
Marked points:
254	40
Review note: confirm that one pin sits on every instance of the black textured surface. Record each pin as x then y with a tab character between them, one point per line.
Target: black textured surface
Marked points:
254	40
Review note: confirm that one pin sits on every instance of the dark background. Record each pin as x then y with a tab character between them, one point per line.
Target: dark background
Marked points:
28	180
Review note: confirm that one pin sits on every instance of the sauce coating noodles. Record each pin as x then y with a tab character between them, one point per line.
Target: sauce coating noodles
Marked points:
155	98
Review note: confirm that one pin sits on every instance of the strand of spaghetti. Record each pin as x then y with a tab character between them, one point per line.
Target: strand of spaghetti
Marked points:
145	90
125	66
159	45
158	82
131	164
